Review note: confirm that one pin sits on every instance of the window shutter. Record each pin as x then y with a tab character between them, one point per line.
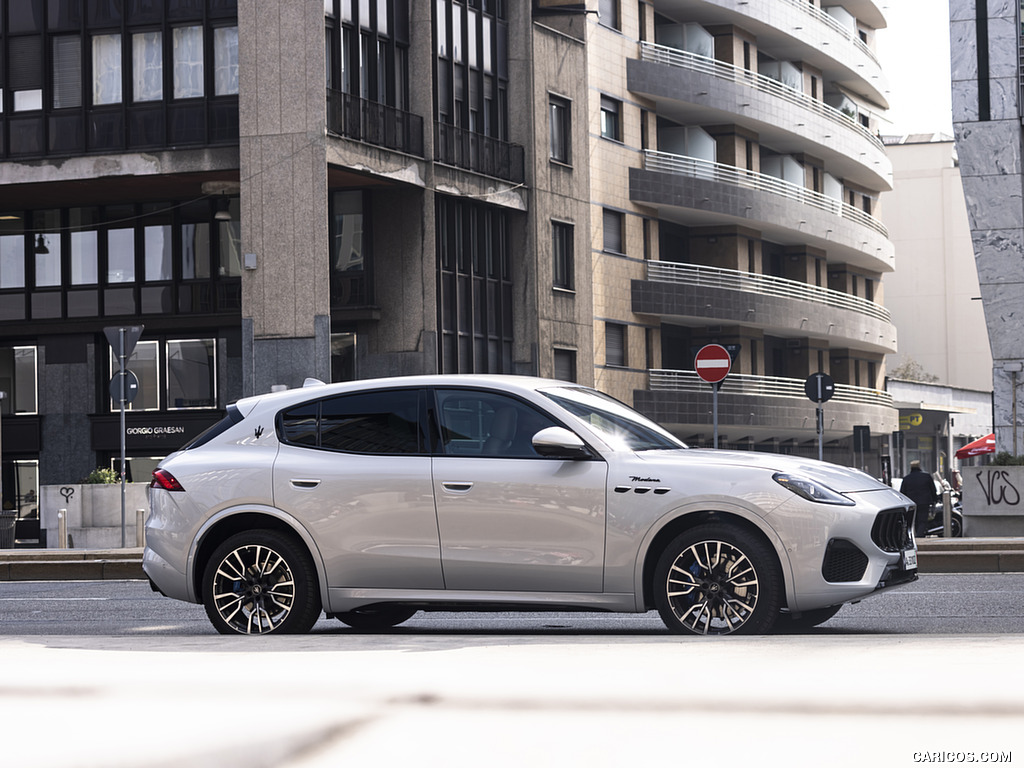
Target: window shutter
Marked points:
615	344
67	72
612	231
26	72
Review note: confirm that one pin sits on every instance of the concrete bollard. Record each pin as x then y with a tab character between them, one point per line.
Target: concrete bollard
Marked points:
62	529
140	527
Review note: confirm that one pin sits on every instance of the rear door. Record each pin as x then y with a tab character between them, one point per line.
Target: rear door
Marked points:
509	519
355	470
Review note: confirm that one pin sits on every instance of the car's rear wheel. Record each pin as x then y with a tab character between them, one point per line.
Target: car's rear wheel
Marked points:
259	582
376	617
718	579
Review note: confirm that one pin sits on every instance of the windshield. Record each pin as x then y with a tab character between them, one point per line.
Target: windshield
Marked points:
619	425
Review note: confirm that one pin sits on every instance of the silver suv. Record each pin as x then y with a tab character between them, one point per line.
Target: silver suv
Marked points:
372	500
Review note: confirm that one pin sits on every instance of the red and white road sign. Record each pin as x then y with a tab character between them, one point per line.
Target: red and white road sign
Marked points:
713	363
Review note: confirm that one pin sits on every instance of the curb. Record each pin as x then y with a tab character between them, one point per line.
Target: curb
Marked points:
979	555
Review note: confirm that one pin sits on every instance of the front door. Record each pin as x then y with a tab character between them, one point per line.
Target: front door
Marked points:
509	519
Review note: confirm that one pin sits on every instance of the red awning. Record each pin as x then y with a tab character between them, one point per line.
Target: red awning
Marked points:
982	445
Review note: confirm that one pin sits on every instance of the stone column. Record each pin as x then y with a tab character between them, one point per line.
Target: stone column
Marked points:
282	118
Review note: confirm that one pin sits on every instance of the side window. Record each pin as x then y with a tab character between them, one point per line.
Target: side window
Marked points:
368	422
475	423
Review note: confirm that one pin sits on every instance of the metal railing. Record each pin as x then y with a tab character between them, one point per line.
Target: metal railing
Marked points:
697	168
374	123
477	152
764	285
662	54
829	21
663	380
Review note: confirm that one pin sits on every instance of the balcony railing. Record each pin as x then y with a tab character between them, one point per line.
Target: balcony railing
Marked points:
476	152
662	54
763	386
829	21
764	285
697	168
374	123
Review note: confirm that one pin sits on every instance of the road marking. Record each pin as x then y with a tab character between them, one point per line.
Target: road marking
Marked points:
51	599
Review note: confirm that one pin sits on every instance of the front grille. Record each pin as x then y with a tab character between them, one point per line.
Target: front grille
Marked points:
843	561
891	531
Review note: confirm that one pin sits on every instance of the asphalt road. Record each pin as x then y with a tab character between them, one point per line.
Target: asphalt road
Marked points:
957	604
110	675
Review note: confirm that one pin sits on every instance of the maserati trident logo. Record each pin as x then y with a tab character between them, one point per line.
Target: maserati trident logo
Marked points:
259	432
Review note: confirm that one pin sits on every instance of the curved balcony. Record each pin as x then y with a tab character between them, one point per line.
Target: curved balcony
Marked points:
796	29
761	407
716	92
697	192
698	295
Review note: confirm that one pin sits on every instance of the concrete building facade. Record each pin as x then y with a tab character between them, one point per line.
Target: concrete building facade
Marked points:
985	41
345	189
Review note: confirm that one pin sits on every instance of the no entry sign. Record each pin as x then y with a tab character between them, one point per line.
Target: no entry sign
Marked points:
713	363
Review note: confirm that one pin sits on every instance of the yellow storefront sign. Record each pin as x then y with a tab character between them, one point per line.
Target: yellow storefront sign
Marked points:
911	420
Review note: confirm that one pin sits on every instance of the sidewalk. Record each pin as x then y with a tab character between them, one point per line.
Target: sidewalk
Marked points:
980	555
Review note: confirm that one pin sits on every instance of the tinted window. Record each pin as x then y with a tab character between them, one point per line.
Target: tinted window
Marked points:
475	423
367	422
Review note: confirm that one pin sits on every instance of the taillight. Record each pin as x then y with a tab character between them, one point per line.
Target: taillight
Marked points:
164	479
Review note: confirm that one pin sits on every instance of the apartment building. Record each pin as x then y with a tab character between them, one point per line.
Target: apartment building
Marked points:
351	188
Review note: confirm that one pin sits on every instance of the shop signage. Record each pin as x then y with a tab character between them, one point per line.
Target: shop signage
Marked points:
911	420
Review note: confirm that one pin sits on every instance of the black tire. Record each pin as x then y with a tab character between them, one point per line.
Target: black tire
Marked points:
376	617
806	620
261	581
718	579
956	526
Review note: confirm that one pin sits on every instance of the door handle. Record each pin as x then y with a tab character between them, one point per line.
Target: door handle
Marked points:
304	484
457	487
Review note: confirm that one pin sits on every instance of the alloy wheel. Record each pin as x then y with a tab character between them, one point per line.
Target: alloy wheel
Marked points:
253	589
712	588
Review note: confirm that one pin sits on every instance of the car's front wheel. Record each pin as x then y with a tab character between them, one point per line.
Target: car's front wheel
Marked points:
718	579
259	582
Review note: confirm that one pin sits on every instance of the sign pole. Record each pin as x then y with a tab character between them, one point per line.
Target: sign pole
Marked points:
713	363
121	360
820	387
714	408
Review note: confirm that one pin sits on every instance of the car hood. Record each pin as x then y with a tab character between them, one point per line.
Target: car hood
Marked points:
841	479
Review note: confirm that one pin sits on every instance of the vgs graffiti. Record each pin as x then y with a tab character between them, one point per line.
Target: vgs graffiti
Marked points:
998	488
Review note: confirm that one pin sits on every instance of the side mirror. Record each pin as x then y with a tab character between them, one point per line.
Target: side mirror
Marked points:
560	443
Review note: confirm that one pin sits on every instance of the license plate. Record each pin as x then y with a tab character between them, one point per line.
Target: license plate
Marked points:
910	560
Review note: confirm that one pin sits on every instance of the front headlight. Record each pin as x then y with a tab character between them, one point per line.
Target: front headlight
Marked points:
811	490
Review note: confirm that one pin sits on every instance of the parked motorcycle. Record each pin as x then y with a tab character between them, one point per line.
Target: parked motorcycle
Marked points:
936	523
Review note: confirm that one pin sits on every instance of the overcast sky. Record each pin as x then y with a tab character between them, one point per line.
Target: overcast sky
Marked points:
914	51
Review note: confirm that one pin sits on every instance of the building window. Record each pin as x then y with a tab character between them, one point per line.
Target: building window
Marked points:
12	254
561	136
225	61
608	13
349	256
67	71
615	344
147	66
25	71
18	380
562	255
474	288
188	62
191	374
611	120
343	356
106	69
144	363
613	227
565	364
46	248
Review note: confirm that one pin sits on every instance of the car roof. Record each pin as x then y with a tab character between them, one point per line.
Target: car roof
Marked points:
314	389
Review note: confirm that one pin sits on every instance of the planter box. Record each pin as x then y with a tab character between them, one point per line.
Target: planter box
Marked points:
93	513
993	501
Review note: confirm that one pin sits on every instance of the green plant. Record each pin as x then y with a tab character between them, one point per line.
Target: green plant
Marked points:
1007	459
102	476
